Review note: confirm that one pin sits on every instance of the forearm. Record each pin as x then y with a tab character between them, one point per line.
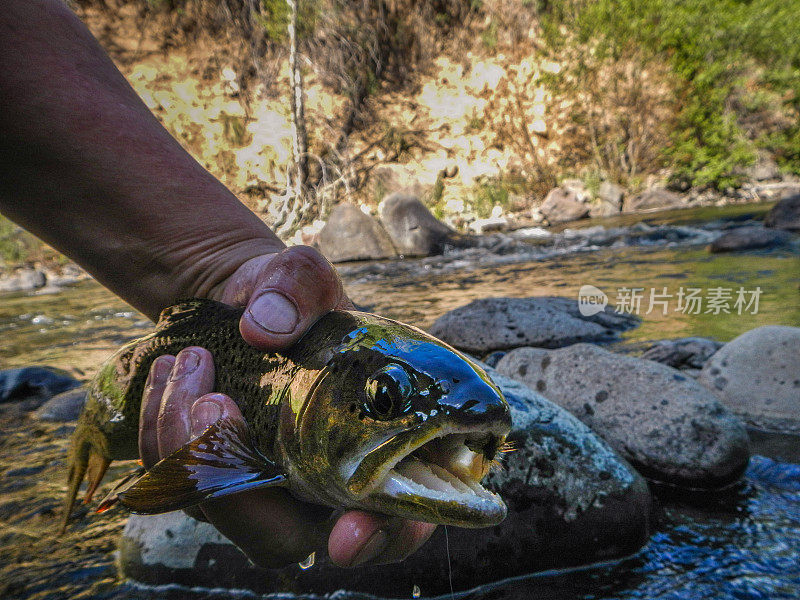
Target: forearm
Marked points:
85	166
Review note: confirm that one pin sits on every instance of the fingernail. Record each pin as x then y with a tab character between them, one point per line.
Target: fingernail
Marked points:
204	413
372	549
185	364
275	313
159	371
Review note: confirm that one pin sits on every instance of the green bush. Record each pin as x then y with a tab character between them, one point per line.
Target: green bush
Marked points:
721	51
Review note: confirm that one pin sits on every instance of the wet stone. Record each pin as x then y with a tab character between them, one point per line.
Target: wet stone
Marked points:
572	500
350	234
664	423
490	324
757	376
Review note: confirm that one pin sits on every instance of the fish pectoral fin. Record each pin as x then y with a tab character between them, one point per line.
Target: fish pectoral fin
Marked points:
221	461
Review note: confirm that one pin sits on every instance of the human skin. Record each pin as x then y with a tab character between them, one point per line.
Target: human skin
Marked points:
86	167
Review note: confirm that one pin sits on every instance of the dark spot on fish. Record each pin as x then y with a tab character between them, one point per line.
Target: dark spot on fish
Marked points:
720	383
664	402
604	475
523	370
456	380
677	377
169	533
588	409
541	385
520	335
601	396
545	362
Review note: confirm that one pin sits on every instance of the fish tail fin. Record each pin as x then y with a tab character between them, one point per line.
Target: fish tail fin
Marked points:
78	464
98	464
84	458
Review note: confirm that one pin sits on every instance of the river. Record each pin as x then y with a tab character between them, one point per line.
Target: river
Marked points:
743	545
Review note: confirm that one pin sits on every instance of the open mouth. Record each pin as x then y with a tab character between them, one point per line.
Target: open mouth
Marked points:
442	477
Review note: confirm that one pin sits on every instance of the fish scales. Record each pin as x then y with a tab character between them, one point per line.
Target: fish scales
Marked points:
346	417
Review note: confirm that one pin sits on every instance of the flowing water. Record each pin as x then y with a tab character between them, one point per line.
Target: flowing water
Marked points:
745	545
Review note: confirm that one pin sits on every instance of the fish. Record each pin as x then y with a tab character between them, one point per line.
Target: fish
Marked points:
363	412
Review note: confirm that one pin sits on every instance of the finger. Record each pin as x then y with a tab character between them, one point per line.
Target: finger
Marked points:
359	538
209	409
191	377
151	403
295	289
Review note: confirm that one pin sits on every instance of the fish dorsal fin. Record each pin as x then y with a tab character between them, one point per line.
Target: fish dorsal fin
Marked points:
221	461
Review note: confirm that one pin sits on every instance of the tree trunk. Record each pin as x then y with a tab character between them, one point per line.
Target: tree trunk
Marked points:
299	134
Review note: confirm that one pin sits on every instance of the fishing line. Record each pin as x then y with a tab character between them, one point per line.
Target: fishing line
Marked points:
449	567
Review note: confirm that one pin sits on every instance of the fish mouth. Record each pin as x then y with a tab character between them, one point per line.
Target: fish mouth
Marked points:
437	478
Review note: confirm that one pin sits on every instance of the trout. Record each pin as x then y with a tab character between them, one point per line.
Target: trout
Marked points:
362	413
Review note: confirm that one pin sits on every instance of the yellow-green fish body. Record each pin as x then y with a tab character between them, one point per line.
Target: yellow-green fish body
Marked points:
363	412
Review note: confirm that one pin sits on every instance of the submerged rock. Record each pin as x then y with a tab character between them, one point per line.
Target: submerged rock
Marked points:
491	324
663	422
571	500
683	353
785	214
412	227
65	406
351	234
748	238
34	382
757	376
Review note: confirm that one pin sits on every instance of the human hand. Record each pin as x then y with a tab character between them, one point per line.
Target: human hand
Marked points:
284	294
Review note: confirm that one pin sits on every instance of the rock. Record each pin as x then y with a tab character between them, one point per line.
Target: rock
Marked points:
350	234
611	193
23	280
601	208
764	169
785	214
653	199
39	382
748	238
65	406
411	226
571	501
757	376
664	423
563	205
577	187
481	226
683	353
549	322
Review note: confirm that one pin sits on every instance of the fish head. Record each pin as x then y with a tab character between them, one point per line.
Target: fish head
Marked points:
401	423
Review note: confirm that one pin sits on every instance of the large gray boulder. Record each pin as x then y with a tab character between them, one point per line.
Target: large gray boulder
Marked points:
663	422
562	204
491	324
785	214
413	228
653	199
757	376
350	234
748	238
571	500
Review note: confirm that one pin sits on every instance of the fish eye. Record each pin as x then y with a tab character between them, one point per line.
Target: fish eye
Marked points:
388	392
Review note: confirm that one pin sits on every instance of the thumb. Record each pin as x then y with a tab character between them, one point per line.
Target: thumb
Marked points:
293	290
